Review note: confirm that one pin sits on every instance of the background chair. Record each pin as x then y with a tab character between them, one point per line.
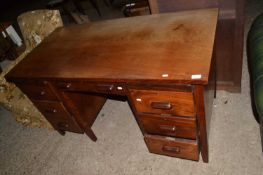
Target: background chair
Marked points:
35	26
255	62
38	24
70	8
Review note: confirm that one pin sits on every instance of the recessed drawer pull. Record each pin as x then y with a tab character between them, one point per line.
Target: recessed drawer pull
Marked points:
105	87
166	127
64	85
45	82
63	125
68	85
175	149
161	105
52	111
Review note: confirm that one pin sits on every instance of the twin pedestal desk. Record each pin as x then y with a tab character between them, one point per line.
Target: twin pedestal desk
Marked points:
161	63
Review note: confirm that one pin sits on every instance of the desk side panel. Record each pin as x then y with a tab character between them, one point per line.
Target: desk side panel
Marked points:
84	106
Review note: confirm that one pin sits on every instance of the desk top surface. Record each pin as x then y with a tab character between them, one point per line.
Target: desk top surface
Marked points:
171	47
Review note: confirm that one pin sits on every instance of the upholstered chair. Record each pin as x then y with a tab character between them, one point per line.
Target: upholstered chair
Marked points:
35	26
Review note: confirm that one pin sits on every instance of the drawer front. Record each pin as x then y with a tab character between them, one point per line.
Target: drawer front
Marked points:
181	148
169	126
57	115
38	91
163	102
52	109
64	124
107	88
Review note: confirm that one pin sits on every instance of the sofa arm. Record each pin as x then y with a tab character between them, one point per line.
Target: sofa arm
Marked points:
258	95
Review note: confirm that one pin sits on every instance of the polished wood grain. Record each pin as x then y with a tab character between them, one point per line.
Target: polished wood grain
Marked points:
52	109
37	90
201	119
157	47
229	35
98	87
169	126
182	148
152	60
163	102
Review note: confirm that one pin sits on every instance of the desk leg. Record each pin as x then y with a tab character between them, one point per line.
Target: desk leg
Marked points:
85	108
61	132
201	121
91	134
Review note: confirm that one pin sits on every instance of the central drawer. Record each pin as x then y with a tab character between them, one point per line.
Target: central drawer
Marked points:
163	102
169	126
95	87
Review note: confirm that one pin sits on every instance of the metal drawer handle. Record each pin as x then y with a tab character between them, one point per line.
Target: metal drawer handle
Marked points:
52	111
166	127
161	105
170	149
42	93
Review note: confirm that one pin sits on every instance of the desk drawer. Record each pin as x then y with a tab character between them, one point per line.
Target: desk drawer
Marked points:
64	124
163	102
52	109
38	91
57	115
169	126
96	87
182	148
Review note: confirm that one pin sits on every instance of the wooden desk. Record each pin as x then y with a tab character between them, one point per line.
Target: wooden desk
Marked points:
229	35
161	63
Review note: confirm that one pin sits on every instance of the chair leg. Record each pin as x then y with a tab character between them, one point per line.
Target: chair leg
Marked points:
95	5
106	3
79	7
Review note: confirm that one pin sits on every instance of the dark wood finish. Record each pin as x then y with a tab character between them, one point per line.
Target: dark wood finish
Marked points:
159	6
98	87
229	35
38	90
52	109
162	65
201	119
210	94
58	116
187	149
85	108
167	56
169	126
238	42
163	102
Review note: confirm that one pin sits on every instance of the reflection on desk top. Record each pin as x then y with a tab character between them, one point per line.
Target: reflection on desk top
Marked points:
170	47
